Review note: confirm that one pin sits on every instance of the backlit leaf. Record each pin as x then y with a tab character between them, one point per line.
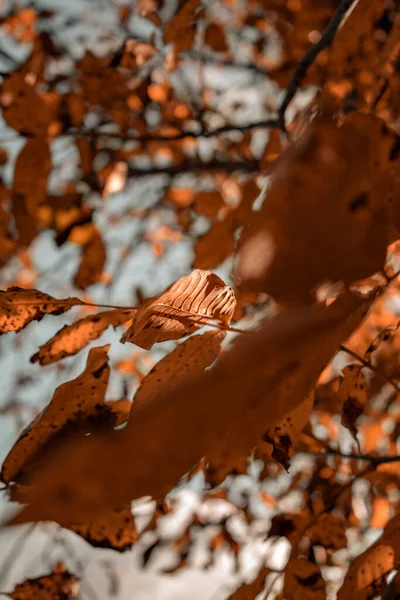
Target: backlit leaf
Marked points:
188	304
18	307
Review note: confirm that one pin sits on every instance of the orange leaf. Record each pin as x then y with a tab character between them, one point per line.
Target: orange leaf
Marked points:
72	401
189	359
18	307
92	262
72	338
188	304
59	584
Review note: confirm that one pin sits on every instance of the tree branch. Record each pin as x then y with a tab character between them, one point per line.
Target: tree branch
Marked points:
192	166
376	460
305	63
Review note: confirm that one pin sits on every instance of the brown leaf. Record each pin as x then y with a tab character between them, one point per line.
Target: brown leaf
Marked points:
284	436
114	528
221	415
24	109
367	574
59	585
92	262
329	531
181	29
25	222
214	37
189	359
188	304
72	338
249	591
18	307
32	170
353	394
72	401
303	580
324	216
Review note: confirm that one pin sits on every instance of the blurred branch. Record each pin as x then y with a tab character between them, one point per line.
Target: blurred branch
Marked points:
376	460
187	167
308	59
369	365
272	123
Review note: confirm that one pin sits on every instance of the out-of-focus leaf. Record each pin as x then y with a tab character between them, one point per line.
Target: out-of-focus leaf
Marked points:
249	591
59	585
220	415
367	574
32	169
92	262
189	359
73	401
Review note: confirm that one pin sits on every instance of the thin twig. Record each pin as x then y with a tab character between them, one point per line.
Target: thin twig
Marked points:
151	137
305	63
369	365
193	166
376	460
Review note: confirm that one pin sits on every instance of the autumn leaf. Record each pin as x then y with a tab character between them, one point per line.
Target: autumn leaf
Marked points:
60	584
92	262
303	579
188	304
32	169
249	591
367	574
72	338
294	243
189	359
284	436
18	307
353	396
114	528
228	411
72	402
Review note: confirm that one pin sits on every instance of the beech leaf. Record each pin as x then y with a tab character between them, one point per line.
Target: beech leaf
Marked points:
221	415
188	304
189	359
72	338
72	401
60	584
19	306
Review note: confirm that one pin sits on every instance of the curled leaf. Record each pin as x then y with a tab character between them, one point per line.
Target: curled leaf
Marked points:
187	305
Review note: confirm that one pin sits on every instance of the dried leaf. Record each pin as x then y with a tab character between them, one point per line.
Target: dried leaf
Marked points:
72	401
220	415
114	528
189	359
32	170
249	591
59	585
181	29
297	241
353	394
303	580
72	338
92	262
329	532
367	574
214	37
284	436
18	307
188	304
